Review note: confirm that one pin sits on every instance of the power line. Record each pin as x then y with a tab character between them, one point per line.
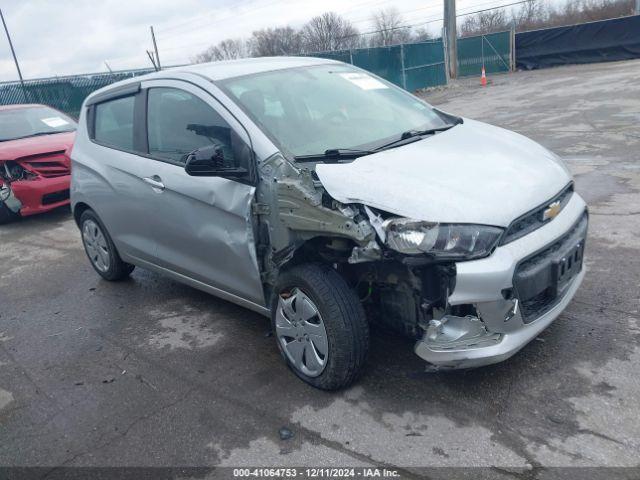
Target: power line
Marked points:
431	21
218	20
162	35
207	43
493	8
434	18
371	32
368	18
195	19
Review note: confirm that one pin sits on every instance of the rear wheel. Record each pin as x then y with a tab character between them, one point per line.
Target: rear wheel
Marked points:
100	249
320	326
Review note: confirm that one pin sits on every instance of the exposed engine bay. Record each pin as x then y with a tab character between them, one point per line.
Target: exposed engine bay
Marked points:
398	291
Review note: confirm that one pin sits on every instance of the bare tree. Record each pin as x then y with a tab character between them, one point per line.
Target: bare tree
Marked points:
329	31
390	28
580	11
535	14
421	35
228	49
274	42
530	15
485	22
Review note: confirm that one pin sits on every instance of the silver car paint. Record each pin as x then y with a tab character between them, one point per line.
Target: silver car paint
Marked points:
203	225
480	282
106	180
505	176
110	181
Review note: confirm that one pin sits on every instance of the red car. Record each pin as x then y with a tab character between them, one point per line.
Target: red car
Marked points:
35	168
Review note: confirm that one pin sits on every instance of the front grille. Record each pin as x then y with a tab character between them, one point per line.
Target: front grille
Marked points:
55	197
537	306
533	220
50	165
542	280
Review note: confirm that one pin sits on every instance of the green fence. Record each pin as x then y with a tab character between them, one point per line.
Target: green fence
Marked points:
411	66
492	50
64	93
424	65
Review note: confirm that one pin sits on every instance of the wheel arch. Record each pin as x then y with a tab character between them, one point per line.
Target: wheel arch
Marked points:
78	209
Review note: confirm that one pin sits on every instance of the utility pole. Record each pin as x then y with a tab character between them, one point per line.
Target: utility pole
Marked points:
15	59
153	61
451	33
155	47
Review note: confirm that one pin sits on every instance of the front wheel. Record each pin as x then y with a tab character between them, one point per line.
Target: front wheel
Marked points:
320	326
7	215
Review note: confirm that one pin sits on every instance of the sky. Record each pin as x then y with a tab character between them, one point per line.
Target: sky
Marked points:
63	37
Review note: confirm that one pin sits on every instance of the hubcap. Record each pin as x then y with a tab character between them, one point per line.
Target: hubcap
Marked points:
301	333
96	245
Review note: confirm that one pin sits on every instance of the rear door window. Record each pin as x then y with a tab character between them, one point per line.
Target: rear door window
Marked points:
114	123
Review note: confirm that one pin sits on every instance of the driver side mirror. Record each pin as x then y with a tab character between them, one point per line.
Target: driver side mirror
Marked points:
209	162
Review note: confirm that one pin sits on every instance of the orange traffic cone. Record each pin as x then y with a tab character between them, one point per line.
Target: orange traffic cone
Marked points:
483	78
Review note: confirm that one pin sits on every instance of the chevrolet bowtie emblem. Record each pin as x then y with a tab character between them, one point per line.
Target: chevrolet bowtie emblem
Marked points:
551	211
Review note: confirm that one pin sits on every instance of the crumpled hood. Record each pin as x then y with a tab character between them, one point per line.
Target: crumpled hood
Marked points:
472	173
13	149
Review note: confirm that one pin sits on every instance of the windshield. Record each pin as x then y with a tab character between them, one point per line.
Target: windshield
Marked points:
30	121
313	109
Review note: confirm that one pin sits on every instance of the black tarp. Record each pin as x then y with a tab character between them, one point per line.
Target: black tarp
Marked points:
602	41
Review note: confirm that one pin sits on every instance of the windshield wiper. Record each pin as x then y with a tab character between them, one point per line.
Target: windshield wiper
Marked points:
414	135
37	134
334	155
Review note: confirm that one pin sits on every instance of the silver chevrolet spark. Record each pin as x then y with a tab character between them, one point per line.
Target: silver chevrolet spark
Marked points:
327	198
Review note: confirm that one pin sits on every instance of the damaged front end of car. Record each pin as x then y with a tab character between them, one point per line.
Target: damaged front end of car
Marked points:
403	271
10	204
33	184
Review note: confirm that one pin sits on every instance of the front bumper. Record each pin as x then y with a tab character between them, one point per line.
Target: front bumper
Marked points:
42	194
503	328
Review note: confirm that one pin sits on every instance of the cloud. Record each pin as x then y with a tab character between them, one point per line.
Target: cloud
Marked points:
62	37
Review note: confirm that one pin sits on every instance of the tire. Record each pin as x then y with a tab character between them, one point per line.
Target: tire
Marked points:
338	310
100	250
6	215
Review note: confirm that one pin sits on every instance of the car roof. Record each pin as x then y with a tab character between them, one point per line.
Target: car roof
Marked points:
247	66
222	70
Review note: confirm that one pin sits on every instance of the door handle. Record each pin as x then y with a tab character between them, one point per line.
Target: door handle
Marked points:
155	182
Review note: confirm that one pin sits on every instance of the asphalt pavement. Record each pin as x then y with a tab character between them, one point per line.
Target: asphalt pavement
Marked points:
148	372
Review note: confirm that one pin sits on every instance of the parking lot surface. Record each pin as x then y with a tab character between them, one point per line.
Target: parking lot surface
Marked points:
148	372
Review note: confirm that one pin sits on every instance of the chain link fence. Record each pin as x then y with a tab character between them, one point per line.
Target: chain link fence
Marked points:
493	50
411	66
64	93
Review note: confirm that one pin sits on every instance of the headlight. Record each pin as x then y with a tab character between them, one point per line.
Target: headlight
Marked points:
455	241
